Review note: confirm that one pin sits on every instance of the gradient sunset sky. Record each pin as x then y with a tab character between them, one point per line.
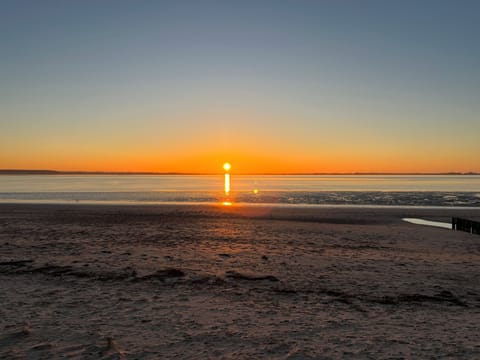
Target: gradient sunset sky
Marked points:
271	86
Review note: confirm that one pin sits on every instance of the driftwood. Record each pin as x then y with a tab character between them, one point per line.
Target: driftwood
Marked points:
16	263
240	276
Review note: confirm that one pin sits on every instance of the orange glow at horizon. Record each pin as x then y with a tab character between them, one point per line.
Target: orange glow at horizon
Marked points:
259	158
285	150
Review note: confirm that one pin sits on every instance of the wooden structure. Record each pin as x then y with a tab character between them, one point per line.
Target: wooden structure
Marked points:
470	226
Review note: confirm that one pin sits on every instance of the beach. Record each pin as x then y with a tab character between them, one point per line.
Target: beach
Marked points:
236	282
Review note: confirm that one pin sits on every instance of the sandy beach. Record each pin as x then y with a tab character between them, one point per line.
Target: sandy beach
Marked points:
256	282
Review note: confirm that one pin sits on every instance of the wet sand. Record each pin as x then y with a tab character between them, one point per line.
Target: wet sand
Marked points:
150	282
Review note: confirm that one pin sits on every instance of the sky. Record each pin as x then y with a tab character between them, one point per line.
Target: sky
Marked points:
268	85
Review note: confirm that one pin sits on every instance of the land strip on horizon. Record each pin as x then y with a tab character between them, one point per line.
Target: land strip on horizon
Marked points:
56	172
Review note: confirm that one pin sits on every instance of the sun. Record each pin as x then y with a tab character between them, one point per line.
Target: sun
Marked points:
227	166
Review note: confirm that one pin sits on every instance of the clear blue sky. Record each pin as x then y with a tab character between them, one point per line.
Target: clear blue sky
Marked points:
275	85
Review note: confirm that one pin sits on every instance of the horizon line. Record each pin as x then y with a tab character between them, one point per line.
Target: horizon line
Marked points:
81	172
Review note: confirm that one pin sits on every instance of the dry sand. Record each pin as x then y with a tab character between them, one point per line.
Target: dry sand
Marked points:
151	282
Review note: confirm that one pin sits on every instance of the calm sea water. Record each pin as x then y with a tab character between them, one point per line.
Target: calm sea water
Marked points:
432	190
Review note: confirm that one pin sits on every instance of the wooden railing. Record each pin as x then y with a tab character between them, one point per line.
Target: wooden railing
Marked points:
470	226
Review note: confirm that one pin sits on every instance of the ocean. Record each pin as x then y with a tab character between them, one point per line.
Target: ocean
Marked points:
372	190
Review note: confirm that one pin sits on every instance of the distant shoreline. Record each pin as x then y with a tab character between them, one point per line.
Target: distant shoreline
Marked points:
55	172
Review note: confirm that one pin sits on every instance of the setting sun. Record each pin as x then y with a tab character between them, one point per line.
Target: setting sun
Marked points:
227	166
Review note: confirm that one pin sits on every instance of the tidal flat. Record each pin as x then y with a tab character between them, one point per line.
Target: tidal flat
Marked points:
238	282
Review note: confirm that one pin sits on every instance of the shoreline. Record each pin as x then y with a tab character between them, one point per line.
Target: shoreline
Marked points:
127	203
